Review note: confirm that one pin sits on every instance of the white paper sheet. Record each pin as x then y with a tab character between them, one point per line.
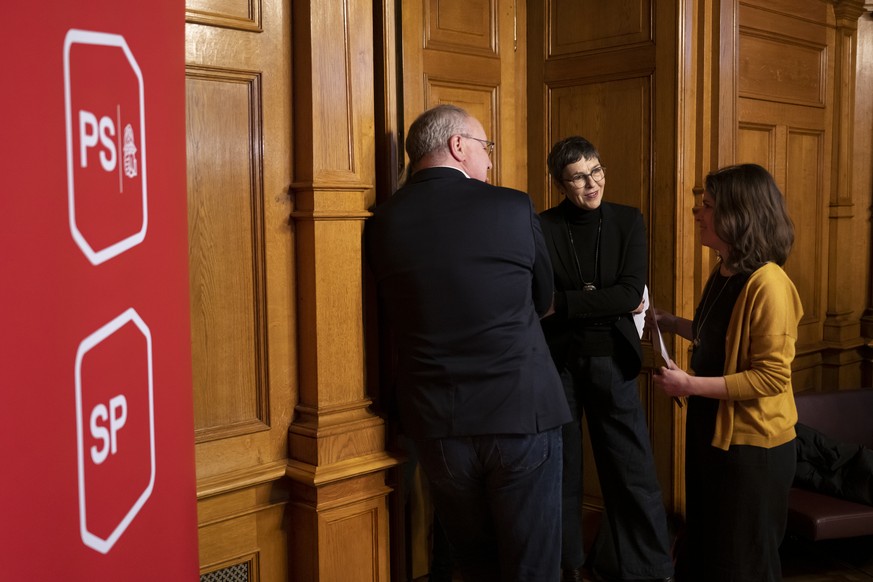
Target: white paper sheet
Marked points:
640	318
656	336
662	347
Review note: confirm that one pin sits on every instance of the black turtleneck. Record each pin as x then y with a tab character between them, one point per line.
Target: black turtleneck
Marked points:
589	340
584	224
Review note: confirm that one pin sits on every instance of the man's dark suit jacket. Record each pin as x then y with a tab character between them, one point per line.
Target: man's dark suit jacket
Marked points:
462	272
623	266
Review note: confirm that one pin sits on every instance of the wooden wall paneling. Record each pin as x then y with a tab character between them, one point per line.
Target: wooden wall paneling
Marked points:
615	115
724	79
804	184
470	54
842	328
512	103
863	185
336	443
666	198
704	45
241	269
785	77
240	243
245	527
676	248
390	146
795	150
228	302
236	14
665	128
595	26
772	92
339	529
796	71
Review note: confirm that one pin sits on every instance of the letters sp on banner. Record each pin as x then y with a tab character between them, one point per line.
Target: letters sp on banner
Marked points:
115	428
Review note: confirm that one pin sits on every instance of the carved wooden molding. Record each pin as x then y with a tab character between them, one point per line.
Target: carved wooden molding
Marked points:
240	479
851	9
247	18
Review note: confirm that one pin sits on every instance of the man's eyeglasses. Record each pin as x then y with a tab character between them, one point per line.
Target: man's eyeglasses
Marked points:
580	180
488	145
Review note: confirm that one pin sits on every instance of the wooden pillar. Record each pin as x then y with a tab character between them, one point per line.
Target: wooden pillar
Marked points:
338	521
863	159
842	327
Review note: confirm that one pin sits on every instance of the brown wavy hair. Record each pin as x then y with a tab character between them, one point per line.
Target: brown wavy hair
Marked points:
750	216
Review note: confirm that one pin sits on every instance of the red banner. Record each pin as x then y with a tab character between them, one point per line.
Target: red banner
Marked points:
98	439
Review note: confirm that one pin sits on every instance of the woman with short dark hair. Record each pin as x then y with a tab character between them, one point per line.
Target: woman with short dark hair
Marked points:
600	260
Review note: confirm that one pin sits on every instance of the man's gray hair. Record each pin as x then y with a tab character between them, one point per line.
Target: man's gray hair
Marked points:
432	129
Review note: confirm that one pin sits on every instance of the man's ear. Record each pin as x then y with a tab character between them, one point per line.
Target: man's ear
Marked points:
456	148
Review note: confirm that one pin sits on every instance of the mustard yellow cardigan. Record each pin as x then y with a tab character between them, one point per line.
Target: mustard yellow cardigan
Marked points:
759	349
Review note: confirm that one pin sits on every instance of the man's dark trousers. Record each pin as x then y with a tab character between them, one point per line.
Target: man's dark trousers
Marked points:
501	491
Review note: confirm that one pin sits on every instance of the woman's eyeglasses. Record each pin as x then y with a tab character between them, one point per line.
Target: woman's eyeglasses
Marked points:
580	180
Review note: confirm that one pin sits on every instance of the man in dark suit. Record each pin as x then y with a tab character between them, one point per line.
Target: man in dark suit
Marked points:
598	251
463	275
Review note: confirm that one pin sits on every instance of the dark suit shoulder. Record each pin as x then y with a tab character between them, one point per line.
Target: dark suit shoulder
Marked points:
553	214
432	177
517	195
489	194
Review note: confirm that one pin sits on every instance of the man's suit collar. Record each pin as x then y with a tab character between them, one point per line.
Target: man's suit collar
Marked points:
436	172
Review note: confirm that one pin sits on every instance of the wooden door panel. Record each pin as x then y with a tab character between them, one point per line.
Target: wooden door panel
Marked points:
775	69
241	266
240	247
794	156
465	26
614	116
480	101
466	53
226	241
579	27
238	14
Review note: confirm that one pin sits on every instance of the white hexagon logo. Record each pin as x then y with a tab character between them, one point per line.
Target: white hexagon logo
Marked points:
115	428
106	148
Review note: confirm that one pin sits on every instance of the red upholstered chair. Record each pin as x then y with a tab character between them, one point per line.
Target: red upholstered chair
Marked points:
846	416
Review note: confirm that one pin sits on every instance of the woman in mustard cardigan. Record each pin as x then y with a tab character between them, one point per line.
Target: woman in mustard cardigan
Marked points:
739	456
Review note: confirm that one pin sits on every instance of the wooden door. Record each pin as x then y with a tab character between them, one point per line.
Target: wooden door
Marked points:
241	268
596	70
470	53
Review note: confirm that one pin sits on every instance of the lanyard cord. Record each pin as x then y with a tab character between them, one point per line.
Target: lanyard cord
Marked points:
586	285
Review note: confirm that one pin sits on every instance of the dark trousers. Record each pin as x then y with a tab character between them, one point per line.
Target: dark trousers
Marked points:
498	498
736	504
639	540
